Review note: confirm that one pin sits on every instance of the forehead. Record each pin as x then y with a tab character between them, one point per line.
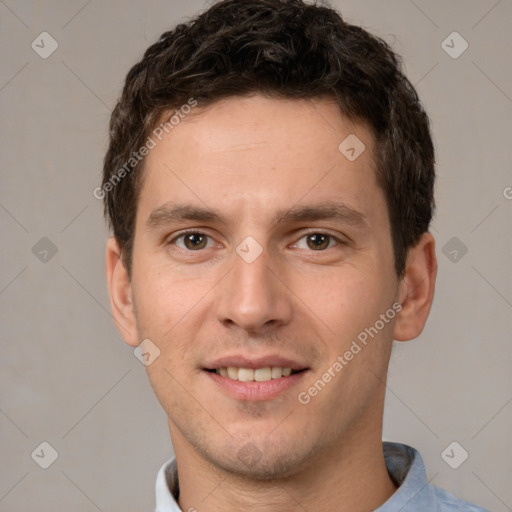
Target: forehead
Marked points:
258	154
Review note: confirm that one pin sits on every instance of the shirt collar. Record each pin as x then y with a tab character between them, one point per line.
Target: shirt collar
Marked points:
167	488
404	464
405	467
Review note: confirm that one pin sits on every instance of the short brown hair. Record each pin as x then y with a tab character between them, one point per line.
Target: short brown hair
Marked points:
284	49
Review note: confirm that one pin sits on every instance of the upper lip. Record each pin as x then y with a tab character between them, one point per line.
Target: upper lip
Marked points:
245	361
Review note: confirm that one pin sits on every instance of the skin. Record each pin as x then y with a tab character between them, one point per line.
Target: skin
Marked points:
249	158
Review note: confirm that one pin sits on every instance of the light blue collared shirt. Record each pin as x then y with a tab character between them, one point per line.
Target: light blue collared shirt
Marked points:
405	466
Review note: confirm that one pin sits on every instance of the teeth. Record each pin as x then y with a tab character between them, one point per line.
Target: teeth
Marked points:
277	372
233	373
250	375
262	374
245	374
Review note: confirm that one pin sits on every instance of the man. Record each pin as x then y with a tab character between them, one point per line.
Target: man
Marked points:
269	183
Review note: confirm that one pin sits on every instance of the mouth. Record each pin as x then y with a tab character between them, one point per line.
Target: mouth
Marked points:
263	374
249	379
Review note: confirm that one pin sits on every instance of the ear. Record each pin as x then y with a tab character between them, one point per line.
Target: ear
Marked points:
416	289
120	291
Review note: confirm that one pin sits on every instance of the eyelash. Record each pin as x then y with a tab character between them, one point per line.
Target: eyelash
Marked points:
184	234
197	232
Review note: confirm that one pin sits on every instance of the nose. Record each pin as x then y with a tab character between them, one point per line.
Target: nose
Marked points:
254	297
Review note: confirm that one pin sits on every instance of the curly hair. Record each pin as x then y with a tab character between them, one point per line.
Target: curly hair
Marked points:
282	49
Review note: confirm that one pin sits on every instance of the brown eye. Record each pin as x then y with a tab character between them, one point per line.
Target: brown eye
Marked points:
318	241
194	241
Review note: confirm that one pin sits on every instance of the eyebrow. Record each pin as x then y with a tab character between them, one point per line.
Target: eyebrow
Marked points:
322	211
172	212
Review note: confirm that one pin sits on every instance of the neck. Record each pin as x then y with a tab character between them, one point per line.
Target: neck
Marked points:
347	477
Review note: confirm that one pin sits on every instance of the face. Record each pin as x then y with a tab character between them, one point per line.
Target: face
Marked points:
261	254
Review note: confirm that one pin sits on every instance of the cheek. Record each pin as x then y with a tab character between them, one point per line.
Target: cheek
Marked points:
163	299
170	310
346	300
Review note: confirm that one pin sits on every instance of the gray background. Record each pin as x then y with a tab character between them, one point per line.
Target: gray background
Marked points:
67	378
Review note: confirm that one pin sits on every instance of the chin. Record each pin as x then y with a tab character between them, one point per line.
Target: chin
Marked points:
259	461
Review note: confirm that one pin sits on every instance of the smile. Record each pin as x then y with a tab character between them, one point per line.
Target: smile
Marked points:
255	384
255	374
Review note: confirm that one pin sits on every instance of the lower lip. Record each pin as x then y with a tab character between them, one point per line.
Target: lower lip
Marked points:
255	391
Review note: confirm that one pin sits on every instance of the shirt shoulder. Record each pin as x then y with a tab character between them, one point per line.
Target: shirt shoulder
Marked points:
447	502
414	493
405	466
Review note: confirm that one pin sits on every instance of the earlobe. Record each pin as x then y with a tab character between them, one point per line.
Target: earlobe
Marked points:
120	292
416	289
